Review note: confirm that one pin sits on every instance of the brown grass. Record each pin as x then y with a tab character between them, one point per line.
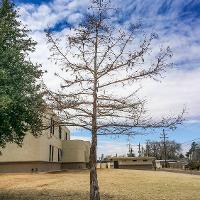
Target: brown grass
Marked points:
114	184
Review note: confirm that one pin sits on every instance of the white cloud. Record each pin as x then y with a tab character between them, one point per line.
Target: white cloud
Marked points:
75	18
84	138
40	17
116	147
177	90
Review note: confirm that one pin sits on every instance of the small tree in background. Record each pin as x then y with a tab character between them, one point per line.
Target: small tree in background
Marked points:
156	149
194	151
20	98
96	59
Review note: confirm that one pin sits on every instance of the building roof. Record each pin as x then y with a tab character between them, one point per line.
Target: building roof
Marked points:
132	158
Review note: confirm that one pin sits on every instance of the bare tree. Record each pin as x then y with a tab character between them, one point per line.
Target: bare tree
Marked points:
96	58
157	149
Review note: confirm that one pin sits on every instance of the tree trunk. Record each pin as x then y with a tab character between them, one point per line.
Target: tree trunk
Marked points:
94	188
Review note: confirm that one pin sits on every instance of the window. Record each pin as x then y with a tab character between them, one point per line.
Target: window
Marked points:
52	126
60	132
134	160
50	153
52	150
145	160
59	155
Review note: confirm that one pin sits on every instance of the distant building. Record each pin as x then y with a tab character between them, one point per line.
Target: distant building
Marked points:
143	163
178	164
51	151
161	163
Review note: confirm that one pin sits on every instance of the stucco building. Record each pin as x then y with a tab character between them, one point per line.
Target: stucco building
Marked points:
52	150
144	163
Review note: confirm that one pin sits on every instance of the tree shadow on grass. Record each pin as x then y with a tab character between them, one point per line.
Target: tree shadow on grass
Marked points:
51	195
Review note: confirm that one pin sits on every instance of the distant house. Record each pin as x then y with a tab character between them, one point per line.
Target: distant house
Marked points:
51	151
143	163
180	164
161	163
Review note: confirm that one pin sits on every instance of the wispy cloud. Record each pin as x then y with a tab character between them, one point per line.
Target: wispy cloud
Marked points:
48	15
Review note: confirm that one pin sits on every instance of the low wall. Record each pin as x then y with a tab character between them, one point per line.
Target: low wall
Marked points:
137	167
21	167
74	165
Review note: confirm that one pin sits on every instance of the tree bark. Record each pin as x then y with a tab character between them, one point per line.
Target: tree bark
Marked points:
94	187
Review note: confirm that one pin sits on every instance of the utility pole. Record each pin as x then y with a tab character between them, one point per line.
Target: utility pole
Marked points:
130	149
131	152
129	144
139	152
147	148
164	137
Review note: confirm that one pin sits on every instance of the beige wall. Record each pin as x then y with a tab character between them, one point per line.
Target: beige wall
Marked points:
21	167
29	151
34	152
33	149
75	151
36	148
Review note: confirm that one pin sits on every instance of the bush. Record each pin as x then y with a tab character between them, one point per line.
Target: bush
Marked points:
194	165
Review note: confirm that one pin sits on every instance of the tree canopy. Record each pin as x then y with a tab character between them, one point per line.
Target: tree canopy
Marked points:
156	149
20	98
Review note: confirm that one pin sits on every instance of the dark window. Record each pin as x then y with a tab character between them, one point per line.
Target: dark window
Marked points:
116	164
134	160
52	150
51	125
60	132
59	155
50	153
145	160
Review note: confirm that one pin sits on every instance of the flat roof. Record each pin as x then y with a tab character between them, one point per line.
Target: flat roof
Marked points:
132	158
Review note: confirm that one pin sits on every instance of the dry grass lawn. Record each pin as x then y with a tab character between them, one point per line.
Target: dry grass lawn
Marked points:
114	184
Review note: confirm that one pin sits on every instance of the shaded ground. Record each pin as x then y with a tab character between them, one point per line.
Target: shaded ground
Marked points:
114	185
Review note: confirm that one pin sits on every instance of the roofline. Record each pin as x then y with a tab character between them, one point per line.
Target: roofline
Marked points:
132	158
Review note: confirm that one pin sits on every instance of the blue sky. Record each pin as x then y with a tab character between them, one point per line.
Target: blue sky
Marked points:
178	24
